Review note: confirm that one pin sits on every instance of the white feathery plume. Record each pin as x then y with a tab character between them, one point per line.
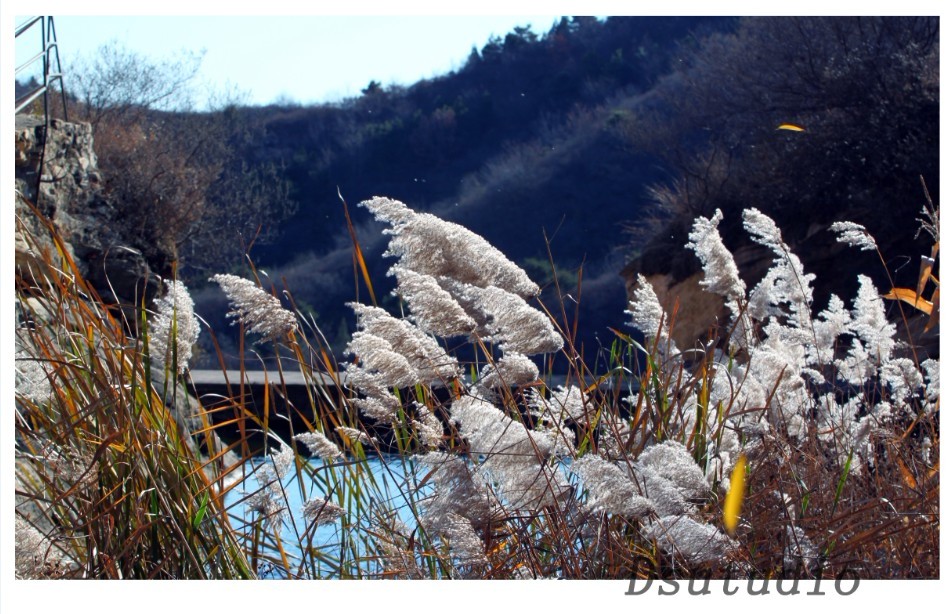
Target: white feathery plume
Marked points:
775	365
516	458
382	334
457	489
550	420
736	389
512	370
874	336
465	545
319	445
355	435
764	230
610	489
569	404
830	324
493	434
174	310
396	554
388	210
510	321
671	478
837	424
260	312
721	275
836	421
377	408
785	282
615	437
902	377
720	271
858	366
930	370
648	316
428	245
870	323
322	511
670	460
282	460
378	356
854	234
379	402
563	436
697	542
434	309
269	499
428	426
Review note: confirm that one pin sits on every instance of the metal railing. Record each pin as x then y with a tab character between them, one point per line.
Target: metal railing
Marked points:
48	53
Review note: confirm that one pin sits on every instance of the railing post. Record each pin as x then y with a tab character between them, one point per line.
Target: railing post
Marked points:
59	68
48	43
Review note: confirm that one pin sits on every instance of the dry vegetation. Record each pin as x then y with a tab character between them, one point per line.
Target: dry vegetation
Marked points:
614	474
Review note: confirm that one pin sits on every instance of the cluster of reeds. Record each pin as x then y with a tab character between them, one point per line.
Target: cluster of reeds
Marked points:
415	464
108	484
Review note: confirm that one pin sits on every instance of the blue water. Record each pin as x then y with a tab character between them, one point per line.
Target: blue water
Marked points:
385	482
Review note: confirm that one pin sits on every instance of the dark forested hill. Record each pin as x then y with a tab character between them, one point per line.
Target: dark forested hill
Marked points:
529	139
602	126
863	94
422	143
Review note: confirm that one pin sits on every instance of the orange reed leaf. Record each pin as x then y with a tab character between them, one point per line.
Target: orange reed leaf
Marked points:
909	296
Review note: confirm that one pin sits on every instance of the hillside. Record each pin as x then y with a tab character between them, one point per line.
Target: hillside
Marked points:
597	143
529	139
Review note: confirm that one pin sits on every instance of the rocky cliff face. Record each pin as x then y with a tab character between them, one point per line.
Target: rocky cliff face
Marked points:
64	183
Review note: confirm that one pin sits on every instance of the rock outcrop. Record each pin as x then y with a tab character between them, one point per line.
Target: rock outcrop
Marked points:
64	183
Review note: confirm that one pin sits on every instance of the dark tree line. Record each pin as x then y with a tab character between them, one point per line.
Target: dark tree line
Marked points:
419	142
186	188
866	93
577	132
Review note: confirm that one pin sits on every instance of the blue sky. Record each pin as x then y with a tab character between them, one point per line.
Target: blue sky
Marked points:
306	59
302	52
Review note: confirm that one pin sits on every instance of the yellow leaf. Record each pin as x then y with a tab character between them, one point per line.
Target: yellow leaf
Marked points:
933	471
358	253
907	476
925	273
909	296
735	496
791	127
934	316
598	382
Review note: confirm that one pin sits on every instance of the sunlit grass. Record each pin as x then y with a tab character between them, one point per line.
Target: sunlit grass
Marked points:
117	489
